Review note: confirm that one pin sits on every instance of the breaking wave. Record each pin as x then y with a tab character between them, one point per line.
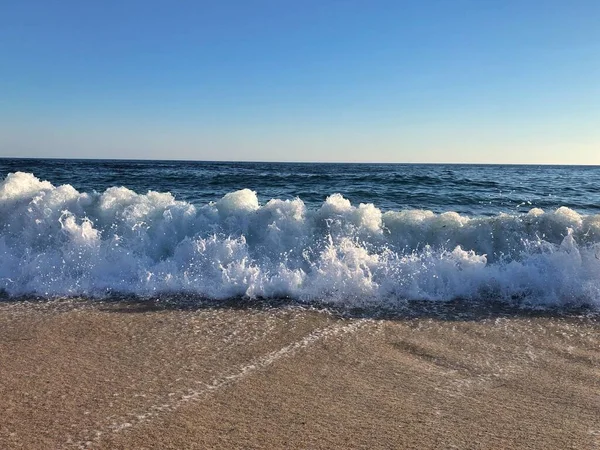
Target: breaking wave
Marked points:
56	241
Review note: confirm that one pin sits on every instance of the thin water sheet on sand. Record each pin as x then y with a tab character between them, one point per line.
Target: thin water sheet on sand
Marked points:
122	375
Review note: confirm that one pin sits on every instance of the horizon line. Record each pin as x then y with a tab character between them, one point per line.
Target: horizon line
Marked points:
297	162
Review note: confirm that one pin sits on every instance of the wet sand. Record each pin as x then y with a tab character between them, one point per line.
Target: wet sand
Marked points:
124	375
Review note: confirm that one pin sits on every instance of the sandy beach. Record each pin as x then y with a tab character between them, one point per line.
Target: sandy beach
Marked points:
146	375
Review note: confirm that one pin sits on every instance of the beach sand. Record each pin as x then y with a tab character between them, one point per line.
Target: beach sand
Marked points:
135	375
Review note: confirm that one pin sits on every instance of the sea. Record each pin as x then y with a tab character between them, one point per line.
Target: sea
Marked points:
340	234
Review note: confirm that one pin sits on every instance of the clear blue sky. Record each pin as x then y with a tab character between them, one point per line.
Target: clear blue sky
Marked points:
503	81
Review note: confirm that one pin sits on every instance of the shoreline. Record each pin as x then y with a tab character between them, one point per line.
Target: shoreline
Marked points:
124	374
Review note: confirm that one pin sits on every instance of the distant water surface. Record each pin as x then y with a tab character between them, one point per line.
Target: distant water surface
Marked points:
466	189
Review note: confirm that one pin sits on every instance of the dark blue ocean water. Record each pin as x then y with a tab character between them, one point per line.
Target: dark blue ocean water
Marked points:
466	189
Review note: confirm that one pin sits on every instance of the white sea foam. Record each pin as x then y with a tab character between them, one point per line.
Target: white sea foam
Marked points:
57	241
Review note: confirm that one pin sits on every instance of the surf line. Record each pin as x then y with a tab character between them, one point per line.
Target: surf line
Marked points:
222	381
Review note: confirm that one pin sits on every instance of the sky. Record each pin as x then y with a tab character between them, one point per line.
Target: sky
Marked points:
464	81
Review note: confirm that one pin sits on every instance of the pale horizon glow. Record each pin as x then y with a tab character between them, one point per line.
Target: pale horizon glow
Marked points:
401	82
